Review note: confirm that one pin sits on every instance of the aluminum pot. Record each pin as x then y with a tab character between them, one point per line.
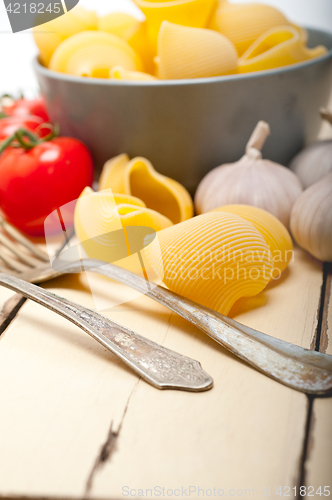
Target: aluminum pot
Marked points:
188	127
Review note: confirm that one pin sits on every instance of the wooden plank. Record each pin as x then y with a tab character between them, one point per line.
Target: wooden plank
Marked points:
10	303
60	391
319	461
73	416
246	433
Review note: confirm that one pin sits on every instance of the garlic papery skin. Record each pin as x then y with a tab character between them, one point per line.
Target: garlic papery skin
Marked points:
251	181
315	161
311	219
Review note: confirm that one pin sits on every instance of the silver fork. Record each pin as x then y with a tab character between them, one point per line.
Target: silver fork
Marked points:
301	369
161	367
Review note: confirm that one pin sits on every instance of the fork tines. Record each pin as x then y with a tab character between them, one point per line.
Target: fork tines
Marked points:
17	252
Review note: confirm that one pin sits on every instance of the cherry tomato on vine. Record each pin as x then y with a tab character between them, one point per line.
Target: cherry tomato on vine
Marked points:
24	107
37	181
10	124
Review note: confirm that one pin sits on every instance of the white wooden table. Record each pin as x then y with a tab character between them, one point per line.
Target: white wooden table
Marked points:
75	422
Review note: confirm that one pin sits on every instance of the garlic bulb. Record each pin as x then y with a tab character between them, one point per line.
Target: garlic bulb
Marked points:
251	181
315	161
311	219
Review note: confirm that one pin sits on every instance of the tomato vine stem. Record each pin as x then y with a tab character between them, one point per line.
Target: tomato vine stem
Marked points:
27	140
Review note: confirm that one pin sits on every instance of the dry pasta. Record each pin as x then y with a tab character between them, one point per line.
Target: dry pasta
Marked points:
101	224
93	54
134	32
126	199
193	53
273	231
119	23
280	46
244	23
213	259
138	178
141	44
119	73
179	39
185	12
113	174
49	35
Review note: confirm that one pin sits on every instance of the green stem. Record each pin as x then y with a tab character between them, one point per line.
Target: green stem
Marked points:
19	136
18	139
7	142
54	131
30	135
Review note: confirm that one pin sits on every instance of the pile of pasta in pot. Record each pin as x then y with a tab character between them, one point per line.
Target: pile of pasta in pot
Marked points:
179	39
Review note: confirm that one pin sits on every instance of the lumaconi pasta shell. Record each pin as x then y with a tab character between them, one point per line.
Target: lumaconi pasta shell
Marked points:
140	42
244	23
134	32
158	192
273	231
194	13
193	53
118	198
213	259
113	174
277	47
88	18
131	215
100	225
96	215
94	53
119	73
303	32
49	35
120	24
138	178
126	199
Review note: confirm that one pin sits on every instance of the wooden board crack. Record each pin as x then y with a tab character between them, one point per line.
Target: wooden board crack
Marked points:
108	448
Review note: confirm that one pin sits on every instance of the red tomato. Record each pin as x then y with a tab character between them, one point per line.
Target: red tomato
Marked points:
34	183
10	125
24	107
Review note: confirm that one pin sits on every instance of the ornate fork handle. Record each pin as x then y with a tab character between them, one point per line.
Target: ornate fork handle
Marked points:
161	367
301	369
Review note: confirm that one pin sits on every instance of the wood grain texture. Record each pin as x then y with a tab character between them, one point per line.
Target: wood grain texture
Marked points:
246	433
319	461
317	466
60	391
75	420
10	304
